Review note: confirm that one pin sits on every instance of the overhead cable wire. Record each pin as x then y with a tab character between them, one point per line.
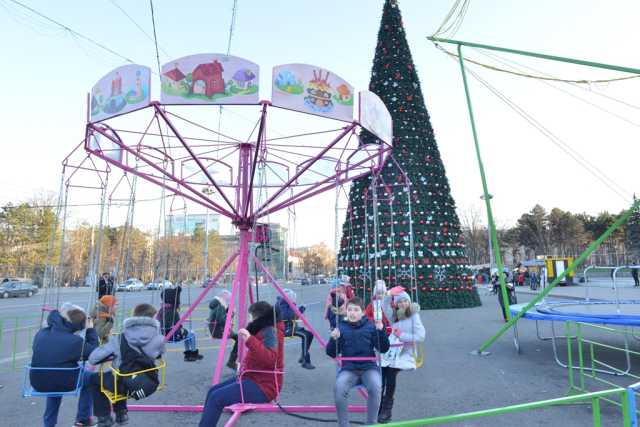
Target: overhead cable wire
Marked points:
575	152
138	25
577	97
75	34
582	81
155	39
234	10
553	138
501	59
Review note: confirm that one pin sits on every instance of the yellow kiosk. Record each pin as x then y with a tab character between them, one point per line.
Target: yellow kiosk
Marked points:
556	266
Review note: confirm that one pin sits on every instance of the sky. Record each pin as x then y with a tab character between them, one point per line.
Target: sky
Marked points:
47	73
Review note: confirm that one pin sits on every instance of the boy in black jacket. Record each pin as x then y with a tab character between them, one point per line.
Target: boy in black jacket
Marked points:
356	336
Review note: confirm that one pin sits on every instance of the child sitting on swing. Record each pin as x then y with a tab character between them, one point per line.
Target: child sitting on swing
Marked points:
59	345
374	309
407	328
336	307
264	338
292	329
218	309
169	316
140	335
357	337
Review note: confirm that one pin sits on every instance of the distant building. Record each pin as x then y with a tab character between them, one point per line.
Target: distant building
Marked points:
176	224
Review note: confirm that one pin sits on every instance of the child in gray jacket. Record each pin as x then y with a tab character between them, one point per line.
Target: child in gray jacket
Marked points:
140	331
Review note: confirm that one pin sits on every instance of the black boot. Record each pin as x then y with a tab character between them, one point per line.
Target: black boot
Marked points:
386	406
195	356
122	417
301	360
187	356
307	362
231	363
107	421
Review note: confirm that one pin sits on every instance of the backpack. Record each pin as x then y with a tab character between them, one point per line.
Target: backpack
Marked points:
141	385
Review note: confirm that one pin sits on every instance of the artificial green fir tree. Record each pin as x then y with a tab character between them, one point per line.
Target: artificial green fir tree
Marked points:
401	226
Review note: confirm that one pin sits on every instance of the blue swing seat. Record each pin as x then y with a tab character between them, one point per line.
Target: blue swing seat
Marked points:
29	391
173	339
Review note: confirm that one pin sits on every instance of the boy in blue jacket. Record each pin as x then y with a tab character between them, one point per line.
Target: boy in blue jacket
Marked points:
60	346
356	336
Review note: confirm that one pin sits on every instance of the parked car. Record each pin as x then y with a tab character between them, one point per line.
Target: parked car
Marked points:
159	284
17	289
130	285
304	282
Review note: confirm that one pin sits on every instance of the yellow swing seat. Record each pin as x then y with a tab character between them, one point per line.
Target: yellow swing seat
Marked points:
114	396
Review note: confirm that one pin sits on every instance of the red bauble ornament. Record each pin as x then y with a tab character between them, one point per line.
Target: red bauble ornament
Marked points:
440	289
430	276
446	290
398	245
424	289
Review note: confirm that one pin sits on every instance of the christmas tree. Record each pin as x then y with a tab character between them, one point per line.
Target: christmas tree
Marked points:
406	234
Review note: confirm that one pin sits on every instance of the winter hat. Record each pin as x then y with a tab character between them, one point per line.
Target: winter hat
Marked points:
403	295
225	295
337	303
290	294
109	300
345	280
336	283
171	296
379	287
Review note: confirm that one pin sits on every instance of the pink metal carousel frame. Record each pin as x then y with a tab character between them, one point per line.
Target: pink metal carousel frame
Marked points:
296	171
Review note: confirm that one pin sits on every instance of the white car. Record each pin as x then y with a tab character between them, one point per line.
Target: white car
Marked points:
130	285
159	284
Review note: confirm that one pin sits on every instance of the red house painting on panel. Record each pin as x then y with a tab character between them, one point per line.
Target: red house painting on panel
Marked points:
207	79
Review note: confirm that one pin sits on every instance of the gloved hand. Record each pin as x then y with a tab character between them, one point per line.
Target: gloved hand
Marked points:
110	319
397	332
396	291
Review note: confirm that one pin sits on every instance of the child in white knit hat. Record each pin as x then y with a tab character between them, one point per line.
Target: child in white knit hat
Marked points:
374	309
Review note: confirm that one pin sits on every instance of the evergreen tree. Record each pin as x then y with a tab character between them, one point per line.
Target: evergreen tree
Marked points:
633	233
416	224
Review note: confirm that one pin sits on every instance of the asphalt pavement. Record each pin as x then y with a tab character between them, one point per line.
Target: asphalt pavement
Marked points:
450	381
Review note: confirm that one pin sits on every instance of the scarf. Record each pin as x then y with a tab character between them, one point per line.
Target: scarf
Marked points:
160	313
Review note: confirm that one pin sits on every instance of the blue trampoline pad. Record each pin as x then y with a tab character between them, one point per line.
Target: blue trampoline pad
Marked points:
598	311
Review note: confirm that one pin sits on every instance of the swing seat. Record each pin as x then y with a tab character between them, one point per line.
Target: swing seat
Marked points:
206	328
173	339
29	391
114	396
275	373
355	359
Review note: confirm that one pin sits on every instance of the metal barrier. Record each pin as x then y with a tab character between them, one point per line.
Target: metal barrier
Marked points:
10	330
594	397
597	365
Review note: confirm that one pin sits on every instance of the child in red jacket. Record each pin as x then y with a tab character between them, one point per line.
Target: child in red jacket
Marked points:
264	338
374	309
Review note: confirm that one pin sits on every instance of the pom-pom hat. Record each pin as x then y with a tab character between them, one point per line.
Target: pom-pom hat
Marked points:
290	294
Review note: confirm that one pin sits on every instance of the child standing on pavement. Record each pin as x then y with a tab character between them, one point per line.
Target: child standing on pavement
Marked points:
407	328
356	336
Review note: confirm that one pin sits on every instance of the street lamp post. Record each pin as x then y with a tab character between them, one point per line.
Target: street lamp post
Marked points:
491	259
209	192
